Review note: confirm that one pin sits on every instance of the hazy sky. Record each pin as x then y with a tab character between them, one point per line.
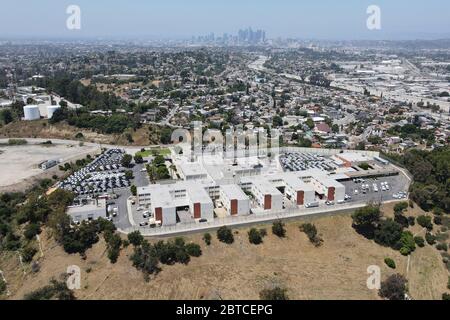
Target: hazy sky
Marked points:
322	19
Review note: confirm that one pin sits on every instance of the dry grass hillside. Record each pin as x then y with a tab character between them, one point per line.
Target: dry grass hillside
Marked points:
336	270
146	135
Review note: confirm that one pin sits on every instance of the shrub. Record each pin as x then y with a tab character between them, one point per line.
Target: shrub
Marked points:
448	283
437	220
425	222
55	290
135	238
400	207
390	263
311	231
393	288
408	243
28	253
207	238
254	236
145	258
2	286
263	232
419	241
274	294
446	296
388	233
411	221
442	247
193	250
365	220
31	230
278	229
430	238
113	242
225	235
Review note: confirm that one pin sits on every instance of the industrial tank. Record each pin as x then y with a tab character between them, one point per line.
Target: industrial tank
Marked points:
31	112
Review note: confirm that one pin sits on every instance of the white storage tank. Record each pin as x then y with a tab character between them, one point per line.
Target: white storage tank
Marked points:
51	110
31	112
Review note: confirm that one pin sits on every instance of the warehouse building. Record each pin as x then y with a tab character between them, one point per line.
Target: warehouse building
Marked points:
92	211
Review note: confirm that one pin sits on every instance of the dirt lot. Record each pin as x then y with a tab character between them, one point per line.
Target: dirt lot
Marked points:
19	163
337	270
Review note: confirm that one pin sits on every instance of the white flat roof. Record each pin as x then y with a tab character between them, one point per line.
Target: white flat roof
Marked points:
297	184
192	168
353	156
266	187
233	191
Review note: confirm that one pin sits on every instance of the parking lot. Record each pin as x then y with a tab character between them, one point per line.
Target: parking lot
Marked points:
304	161
105	173
395	184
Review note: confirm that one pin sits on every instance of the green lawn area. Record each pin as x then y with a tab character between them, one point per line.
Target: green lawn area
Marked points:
148	153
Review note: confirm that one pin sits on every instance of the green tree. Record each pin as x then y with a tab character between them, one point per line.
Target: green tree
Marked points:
425	222
224	234
310	123
407	242
388	233
254	236
28	253
31	230
133	190
193	250
138	159
55	290
135	238
207	238
278	229
126	160
394	288
129	174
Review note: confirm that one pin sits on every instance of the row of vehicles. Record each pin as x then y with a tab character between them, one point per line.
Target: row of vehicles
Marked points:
366	188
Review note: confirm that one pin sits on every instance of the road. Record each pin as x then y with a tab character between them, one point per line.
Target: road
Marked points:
242	221
140	179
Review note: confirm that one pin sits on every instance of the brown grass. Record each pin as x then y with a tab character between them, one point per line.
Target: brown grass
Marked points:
146	135
336	270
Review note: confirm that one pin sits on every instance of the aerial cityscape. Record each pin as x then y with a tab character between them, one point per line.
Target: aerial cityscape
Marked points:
225	162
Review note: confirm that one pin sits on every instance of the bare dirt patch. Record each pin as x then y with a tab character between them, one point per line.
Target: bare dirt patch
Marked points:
21	163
